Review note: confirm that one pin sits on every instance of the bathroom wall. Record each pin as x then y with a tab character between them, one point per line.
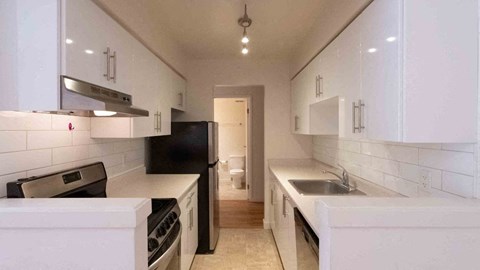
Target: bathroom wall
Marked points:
231	115
34	144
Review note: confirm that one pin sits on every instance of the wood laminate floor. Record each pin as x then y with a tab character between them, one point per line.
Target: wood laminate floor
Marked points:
241	214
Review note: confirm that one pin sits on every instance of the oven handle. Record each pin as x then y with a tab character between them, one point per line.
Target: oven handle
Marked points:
162	262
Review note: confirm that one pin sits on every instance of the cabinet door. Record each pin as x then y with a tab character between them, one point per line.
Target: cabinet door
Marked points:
164	96
184	247
272	205
289	231
179	87
349	87
380	70
302	96
86	38
193	230
329	73
145	92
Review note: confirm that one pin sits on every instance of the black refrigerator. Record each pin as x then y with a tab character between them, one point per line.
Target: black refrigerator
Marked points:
192	148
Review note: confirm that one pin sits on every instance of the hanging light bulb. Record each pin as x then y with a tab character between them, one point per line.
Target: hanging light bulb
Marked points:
245	38
245	49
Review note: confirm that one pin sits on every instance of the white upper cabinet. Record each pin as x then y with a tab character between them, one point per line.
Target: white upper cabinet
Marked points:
404	72
94	47
178	93
349	86
419	71
381	65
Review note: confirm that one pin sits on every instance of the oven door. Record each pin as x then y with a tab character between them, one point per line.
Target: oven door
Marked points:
170	260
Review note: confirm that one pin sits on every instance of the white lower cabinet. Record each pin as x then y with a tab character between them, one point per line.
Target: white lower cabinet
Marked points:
283	227
189	220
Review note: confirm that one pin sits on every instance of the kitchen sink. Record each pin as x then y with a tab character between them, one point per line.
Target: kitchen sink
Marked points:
322	187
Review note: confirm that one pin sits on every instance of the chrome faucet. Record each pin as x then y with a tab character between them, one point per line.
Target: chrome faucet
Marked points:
345	178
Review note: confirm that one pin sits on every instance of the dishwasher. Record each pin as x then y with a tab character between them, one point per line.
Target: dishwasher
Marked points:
306	243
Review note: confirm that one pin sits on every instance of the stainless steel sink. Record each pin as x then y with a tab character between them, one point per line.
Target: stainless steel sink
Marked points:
322	187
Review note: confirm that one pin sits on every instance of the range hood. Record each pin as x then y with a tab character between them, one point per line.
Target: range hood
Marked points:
85	99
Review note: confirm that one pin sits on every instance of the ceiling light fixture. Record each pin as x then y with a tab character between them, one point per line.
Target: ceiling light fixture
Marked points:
245	22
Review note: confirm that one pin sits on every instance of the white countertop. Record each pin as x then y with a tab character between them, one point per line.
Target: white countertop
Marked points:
305	169
138	184
399	212
73	213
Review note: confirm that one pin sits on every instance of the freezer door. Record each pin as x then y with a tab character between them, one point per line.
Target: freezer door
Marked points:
214	206
212	142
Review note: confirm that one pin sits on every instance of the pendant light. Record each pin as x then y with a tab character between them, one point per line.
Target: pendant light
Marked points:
245	22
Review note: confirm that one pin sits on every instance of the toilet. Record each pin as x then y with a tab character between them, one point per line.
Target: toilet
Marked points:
236	165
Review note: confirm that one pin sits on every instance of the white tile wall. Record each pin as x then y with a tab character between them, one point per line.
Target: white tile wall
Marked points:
400	167
34	144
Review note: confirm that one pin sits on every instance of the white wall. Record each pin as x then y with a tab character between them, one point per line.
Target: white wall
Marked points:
34	144
331	19
203	75
400	167
231	116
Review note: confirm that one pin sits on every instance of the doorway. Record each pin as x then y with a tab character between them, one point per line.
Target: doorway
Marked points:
231	114
245	211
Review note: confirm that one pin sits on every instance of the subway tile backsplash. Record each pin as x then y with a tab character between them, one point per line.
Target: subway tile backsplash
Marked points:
401	167
34	144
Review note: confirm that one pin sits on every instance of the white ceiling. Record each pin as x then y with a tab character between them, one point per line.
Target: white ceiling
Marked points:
208	29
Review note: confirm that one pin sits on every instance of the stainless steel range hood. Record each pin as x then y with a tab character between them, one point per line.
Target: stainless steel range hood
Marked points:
85	99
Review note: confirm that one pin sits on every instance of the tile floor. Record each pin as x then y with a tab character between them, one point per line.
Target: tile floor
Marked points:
228	192
241	249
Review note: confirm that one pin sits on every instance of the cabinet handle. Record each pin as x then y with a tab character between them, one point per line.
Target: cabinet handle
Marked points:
190	224
316	87
181	100
159	121
354	118
284	198
107	53
155	121
271	196
320	85
296	123
114	57
361	106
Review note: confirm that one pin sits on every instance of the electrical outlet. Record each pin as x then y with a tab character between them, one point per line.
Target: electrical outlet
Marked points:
425	179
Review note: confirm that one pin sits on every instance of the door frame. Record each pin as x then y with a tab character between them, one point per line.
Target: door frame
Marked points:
255	154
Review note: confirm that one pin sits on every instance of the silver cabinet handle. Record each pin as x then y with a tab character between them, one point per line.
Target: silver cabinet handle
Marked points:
114	57
358	107
320	85
271	196
107	53
181	100
361	107
354	118
284	212
159	121
190	224
155	121
317	93
296	123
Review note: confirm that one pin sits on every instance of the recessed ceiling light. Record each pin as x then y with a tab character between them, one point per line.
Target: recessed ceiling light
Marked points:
68	41
372	50
88	51
245	50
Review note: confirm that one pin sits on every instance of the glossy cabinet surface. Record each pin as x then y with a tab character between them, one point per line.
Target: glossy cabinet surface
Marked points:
189	220
284	228
88	34
403	72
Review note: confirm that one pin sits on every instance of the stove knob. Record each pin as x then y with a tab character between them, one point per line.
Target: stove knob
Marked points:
170	220
152	244
174	215
161	231
166	225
